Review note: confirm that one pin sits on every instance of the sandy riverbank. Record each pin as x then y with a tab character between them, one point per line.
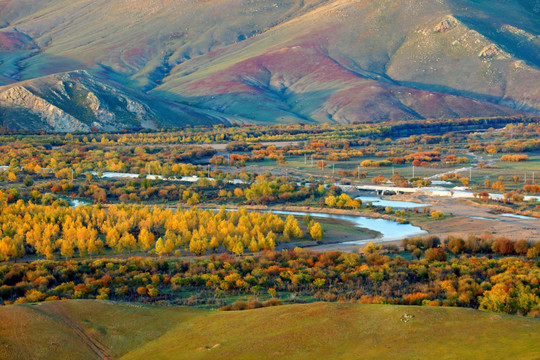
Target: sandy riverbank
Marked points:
471	218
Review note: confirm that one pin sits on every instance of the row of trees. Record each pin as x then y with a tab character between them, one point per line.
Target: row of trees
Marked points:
342	201
515	157
507	285
473	244
52	230
45	161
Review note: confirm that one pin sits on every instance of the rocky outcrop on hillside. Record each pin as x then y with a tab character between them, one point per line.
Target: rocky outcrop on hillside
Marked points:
53	117
74	101
490	51
448	23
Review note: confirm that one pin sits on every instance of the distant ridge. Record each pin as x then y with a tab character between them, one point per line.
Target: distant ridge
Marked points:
339	61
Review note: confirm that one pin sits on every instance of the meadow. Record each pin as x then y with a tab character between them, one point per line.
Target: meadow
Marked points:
86	329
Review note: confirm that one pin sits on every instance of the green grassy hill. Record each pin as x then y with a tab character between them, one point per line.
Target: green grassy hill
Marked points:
91	329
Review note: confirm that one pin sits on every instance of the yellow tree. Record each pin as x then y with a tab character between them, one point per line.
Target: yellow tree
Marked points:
66	249
253	246
91	247
169	246
214	244
316	231
12	177
112	237
146	239
127	242
330	201
198	247
11	247
261	242
271	241
238	248
160	248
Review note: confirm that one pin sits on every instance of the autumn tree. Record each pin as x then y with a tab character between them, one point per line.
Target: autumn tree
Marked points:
316	231
238	248
146	239
160	248
198	247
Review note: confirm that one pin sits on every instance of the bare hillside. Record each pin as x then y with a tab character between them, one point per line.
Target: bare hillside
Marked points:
266	61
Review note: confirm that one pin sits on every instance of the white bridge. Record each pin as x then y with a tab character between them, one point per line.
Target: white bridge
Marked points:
381	189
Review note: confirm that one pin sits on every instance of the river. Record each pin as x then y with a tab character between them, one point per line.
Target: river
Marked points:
375	201
389	230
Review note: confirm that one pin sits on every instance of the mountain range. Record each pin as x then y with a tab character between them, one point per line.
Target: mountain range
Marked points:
131	64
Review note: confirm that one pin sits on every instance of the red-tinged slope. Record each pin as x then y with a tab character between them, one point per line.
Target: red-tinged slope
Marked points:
303	82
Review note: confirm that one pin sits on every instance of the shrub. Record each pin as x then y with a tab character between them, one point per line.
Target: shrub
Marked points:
437	214
272	302
435	254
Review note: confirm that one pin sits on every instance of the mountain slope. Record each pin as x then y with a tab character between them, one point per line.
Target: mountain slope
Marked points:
266	61
366	60
76	101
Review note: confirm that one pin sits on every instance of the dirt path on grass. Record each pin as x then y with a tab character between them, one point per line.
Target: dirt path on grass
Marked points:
100	350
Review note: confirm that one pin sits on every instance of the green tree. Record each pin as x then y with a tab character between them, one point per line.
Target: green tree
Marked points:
28	181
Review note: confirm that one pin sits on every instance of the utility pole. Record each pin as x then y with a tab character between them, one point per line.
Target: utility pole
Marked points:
333	170
358	172
209	171
305	159
285	173
229	157
470	173
413	171
393	171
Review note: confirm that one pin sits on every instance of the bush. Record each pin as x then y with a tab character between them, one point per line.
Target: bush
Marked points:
435	254
249	305
532	253
437	214
272	302
239	305
254	304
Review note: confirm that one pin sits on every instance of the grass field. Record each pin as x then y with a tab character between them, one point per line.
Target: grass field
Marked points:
479	175
79	329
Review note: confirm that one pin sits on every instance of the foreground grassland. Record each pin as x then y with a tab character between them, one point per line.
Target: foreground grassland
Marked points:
86	329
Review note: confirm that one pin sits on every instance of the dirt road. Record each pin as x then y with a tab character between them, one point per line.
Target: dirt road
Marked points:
100	350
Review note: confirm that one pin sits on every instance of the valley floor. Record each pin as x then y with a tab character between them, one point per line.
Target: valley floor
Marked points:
470	218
